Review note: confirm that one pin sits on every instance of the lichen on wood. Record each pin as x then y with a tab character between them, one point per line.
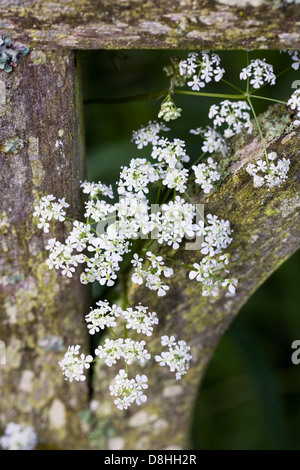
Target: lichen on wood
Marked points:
40	313
132	24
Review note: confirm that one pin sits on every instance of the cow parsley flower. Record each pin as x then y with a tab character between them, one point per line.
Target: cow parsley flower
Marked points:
73	365
269	173
294	103
152	274
94	189
259	73
168	110
233	115
206	175
128	349
208	271
140	320
136	177
102	316
148	134
201	68
177	358
18	437
47	210
128	391
214	142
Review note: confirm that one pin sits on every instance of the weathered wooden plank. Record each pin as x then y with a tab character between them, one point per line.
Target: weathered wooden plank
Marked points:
40	313
190	24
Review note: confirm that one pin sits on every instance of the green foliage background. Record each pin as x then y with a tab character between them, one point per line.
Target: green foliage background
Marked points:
250	397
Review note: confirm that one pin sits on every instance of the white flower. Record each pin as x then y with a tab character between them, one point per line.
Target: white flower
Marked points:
168	110
73	365
94	189
128	391
214	142
206	174
196	83
128	349
294	101
269	173
148	134
47	210
260	73
177	358
233	114
202	68
102	316
152	274
18	437
140	320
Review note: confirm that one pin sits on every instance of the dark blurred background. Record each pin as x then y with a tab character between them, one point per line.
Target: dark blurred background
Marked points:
250	397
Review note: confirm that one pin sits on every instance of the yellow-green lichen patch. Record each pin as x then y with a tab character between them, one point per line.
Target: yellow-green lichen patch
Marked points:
12	145
38	172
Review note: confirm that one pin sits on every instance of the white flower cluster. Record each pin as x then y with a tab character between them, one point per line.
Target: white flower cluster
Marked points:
168	110
270	174
294	103
48	210
73	365
103	316
152	274
128	349
103	250
18	437
148	134
233	114
177	358
214	142
259	72
128	391
216	234
206	174
94	189
295	57
140	320
202	68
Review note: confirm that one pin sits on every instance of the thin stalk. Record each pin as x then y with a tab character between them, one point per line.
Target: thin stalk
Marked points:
231	85
112	331
209	95
198	159
259	130
157	95
199	213
268	99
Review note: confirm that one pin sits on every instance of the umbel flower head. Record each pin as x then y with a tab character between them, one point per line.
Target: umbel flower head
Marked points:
168	110
259	73
128	391
269	174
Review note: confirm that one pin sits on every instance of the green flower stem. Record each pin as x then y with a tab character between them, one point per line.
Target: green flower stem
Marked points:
198	160
210	95
112	331
268	99
259	130
179	263
231	85
191	200
159	94
125	330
